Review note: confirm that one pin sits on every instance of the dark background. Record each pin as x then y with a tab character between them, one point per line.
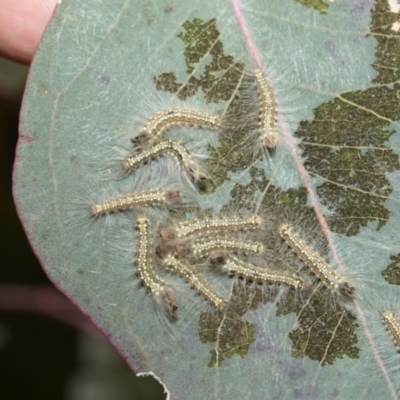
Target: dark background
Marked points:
48	349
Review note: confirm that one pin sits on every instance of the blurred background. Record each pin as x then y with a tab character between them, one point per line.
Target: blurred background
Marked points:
48	349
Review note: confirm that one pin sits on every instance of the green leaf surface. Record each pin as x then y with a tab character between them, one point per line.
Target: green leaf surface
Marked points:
104	68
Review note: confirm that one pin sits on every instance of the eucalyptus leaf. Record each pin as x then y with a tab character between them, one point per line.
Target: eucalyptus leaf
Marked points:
104	68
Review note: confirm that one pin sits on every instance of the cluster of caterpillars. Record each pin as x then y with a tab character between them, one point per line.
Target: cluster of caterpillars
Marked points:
225	245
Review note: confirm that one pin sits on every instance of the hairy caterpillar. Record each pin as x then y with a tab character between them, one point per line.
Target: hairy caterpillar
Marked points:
313	260
251	273
136	199
191	276
205	225
162	293
168	147
157	125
